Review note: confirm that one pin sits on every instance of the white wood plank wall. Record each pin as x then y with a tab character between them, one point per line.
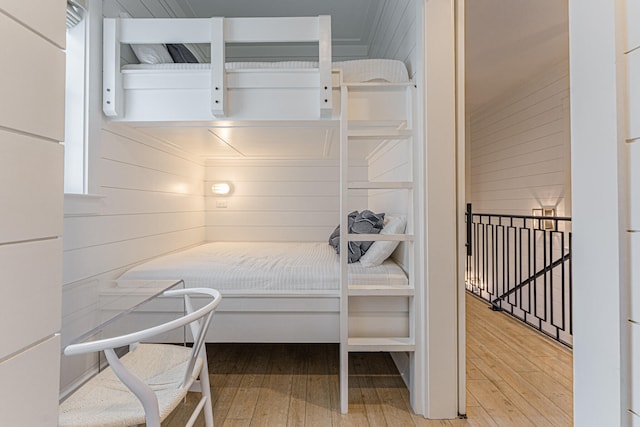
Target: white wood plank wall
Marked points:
152	203
396	31
277	200
391	162
520	148
631	59
31	185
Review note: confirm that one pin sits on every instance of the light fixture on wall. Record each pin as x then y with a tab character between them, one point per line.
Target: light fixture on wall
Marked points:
546	224
221	188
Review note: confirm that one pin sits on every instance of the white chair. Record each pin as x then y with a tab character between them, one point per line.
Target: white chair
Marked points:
148	382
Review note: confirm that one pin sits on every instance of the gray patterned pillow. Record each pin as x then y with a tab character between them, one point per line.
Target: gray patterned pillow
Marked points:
180	53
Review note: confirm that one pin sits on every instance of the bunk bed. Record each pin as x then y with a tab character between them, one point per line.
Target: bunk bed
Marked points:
375	103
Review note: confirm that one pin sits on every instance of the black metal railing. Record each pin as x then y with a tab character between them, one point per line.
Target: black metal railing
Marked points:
522	265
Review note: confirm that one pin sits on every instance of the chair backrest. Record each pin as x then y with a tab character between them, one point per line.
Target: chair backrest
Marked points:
146	334
198	327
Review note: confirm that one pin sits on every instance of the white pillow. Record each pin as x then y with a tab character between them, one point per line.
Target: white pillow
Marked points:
381	250
152	53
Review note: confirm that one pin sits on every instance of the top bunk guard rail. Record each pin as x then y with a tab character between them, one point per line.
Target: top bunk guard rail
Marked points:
218	31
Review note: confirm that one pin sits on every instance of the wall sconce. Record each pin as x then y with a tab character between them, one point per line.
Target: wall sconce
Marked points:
545	224
221	188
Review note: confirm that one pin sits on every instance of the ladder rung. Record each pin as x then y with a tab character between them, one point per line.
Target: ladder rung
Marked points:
374	133
377	124
379	290
381	344
376	85
353	237
356	185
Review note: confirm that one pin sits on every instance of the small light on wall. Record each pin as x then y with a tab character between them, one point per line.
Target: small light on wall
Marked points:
221	188
547	224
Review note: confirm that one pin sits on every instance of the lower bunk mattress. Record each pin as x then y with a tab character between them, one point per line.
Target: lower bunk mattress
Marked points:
264	268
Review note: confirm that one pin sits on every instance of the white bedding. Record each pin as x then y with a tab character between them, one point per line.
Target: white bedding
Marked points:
357	71
268	266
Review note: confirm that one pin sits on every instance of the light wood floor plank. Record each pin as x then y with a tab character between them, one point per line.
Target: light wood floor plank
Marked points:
272	407
515	377
297	404
498	406
246	396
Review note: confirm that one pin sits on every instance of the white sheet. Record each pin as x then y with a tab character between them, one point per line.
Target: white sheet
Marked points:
257	266
357	71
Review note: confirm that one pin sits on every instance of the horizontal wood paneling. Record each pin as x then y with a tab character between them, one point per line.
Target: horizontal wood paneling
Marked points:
395	34
633	93
519	152
153	204
32	101
634	333
49	21
277	200
31	293
633	167
393	163
80	264
120	201
126	145
116	174
633	30
88	231
634	276
244	233
31	207
30	386
31	185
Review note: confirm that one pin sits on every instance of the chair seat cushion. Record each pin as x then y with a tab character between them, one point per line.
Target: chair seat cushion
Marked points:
105	401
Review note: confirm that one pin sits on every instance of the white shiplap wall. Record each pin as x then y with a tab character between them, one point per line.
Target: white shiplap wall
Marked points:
277	200
520	148
31	186
151	203
396	32
631	59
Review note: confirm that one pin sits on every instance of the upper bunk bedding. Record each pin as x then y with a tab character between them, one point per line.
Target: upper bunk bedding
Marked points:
251	267
355	71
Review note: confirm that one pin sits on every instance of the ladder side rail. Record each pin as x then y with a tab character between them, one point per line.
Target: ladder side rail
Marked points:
344	256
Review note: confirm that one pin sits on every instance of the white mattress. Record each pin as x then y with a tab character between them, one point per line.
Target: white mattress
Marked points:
269	266
357	71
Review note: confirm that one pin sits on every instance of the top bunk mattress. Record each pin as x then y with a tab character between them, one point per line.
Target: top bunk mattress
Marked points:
356	71
246	267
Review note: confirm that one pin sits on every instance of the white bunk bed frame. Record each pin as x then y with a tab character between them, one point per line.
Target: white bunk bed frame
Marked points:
218	93
363	111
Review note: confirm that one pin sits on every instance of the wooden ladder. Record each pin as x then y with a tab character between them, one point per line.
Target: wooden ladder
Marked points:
352	132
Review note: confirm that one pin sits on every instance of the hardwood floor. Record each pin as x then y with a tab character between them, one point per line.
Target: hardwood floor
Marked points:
515	377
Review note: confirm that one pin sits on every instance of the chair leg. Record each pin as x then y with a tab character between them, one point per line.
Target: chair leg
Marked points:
206	391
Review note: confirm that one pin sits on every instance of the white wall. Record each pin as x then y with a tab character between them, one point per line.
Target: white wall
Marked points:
440	207
520	148
277	200
31	185
630	58
599	252
395	34
151	202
